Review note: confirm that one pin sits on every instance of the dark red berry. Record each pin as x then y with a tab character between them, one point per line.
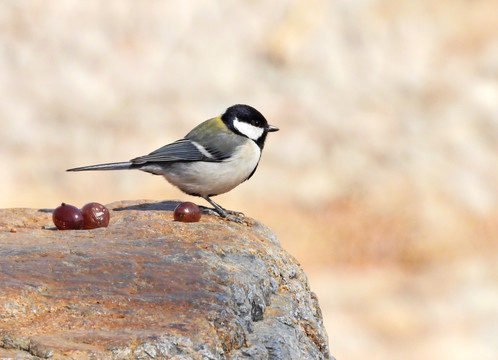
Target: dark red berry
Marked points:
95	215
67	217
187	212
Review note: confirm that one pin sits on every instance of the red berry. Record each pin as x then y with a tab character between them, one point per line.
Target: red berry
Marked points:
187	212
67	217
95	215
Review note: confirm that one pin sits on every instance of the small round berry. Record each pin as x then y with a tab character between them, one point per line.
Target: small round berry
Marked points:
95	215
67	217
187	212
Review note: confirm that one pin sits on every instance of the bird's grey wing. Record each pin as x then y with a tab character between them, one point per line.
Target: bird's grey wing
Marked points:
223	143
181	150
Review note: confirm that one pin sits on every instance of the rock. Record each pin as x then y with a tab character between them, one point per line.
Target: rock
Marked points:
147	287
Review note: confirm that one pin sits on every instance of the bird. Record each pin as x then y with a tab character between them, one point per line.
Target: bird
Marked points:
213	158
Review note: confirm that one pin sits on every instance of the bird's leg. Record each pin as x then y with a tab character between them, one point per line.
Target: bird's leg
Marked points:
223	212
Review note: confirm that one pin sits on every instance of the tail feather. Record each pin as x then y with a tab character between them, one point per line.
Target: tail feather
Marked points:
110	166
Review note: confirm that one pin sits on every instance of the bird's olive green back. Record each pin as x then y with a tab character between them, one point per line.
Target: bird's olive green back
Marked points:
214	135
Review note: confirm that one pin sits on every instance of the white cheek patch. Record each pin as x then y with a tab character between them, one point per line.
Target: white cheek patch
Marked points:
251	131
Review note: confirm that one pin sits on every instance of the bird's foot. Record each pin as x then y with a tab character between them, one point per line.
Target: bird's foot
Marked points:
238	220
235	213
208	210
235	216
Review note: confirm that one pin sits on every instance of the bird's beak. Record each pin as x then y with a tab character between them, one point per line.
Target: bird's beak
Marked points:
271	128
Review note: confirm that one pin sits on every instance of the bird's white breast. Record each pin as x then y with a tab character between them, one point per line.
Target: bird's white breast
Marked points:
214	178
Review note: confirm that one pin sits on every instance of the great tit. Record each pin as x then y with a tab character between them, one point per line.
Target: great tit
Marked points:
212	159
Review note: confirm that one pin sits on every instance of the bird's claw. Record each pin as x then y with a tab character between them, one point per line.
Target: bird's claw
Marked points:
230	215
236	219
208	210
235	213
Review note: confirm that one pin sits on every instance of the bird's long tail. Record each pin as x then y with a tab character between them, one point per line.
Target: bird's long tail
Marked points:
111	166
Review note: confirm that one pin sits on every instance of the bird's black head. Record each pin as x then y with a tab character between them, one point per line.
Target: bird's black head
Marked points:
249	122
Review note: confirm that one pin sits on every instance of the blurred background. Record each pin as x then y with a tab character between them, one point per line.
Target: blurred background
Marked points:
382	182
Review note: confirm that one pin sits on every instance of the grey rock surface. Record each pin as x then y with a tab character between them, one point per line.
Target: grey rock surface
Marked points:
147	287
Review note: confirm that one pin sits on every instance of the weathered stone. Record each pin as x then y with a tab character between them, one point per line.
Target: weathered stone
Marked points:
147	287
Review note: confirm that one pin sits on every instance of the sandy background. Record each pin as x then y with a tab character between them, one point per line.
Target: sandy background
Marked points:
383	180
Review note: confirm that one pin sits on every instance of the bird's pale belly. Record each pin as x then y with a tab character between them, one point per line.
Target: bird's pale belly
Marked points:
214	178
